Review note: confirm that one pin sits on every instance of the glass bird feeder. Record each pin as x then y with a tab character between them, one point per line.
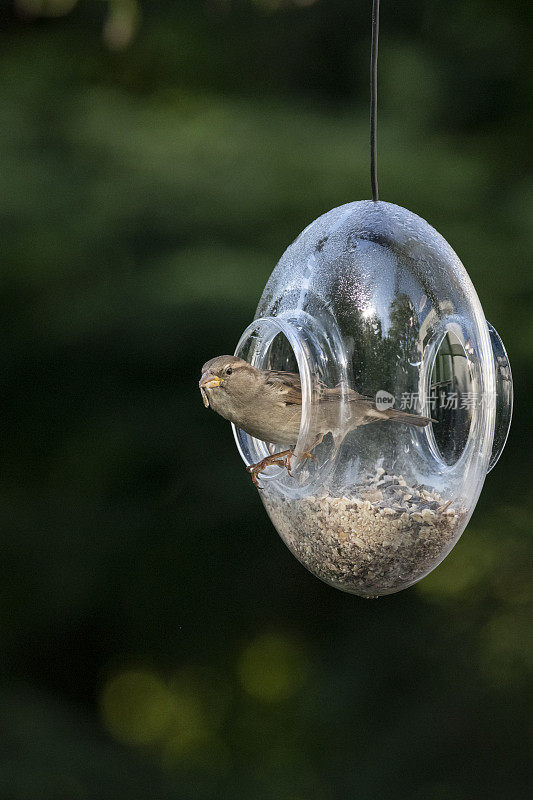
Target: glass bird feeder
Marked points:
371	298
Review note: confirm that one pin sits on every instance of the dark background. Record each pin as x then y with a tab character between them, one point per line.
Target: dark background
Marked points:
157	638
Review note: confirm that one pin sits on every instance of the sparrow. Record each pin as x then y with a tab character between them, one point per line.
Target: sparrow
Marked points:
267	404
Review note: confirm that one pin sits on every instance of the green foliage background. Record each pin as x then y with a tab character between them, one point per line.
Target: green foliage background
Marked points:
158	640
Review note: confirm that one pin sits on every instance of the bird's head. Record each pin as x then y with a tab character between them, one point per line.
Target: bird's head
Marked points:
227	380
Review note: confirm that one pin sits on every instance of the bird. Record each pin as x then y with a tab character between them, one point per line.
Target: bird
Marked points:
267	404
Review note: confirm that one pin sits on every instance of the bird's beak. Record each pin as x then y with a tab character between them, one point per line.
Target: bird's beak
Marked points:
209	381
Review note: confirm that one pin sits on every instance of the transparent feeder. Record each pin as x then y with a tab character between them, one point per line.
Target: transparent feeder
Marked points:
371	298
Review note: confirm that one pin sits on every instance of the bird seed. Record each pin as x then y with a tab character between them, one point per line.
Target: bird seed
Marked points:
377	538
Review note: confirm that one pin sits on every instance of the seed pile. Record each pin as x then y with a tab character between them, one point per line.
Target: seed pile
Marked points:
376	538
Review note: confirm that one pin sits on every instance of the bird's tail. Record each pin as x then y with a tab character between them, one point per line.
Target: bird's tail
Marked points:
408	419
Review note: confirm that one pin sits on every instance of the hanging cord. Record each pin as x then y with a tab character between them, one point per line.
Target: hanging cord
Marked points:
374	101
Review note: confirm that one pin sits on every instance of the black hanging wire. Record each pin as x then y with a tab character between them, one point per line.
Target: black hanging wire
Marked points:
374	101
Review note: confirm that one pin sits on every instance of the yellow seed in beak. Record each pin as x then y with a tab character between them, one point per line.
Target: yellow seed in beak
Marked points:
209	381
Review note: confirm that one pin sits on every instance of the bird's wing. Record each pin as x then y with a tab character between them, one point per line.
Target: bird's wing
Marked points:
326	394
287	385
289	388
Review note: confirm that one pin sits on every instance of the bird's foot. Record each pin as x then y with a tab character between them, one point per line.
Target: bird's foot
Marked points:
309	453
282	459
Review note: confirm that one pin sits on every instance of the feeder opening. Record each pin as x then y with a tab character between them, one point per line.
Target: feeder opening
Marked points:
280	356
451	398
297	347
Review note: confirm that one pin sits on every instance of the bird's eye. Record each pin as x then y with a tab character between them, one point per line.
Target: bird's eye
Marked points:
228	370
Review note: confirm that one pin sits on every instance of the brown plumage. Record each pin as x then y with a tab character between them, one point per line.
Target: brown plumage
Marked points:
267	404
